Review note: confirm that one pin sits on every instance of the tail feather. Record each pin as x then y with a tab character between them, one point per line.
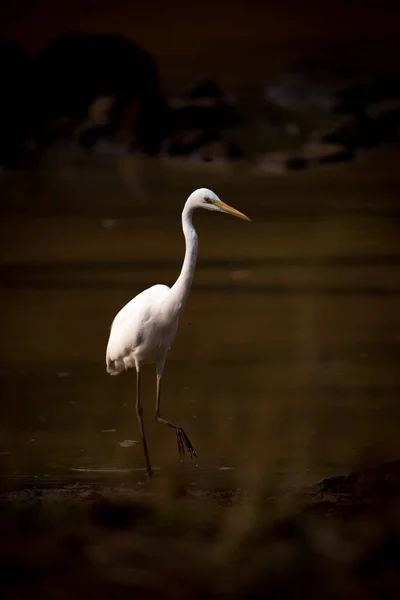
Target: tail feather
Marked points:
114	367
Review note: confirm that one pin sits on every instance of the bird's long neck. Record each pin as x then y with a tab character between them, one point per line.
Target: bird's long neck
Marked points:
180	290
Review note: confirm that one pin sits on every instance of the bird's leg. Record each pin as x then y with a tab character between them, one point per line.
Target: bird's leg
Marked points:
183	440
139	412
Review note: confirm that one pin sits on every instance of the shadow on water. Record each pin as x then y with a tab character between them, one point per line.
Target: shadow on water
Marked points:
288	347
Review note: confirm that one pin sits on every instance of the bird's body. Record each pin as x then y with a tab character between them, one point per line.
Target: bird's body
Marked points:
142	332
144	329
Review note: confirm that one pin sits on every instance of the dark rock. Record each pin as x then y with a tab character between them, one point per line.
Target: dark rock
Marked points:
364	132
297	162
187	141
14	105
356	98
344	155
311	85
319	153
215	117
198	119
76	69
205	89
362	491
371	102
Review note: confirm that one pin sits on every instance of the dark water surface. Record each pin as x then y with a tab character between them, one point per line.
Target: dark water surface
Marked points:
287	355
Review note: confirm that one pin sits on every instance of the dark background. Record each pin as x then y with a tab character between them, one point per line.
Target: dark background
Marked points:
285	369
252	36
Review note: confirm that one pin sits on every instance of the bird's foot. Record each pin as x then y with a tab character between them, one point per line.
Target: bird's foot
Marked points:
184	443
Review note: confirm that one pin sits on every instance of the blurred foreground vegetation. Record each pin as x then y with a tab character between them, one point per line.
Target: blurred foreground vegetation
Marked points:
338	539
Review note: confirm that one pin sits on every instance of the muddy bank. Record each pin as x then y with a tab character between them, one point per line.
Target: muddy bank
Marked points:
98	542
355	493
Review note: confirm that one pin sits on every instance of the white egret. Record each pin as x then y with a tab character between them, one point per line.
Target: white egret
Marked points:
144	329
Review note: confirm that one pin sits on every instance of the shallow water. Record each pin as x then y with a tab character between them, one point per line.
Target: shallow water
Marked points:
286	359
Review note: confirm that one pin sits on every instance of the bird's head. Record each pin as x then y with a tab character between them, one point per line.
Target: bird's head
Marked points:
204	198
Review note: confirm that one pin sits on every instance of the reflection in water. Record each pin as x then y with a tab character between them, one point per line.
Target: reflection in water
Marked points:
287	350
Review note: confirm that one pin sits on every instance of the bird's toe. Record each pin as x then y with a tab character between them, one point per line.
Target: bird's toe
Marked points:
185	443
181	447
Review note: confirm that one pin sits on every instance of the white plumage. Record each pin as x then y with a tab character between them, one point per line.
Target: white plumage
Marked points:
144	329
141	332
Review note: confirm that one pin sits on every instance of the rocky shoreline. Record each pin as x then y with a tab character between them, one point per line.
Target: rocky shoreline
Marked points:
357	492
309	113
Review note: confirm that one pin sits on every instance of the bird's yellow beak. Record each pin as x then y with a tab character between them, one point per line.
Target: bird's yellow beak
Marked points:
231	211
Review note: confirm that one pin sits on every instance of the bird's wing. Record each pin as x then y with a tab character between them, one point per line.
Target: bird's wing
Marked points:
127	327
